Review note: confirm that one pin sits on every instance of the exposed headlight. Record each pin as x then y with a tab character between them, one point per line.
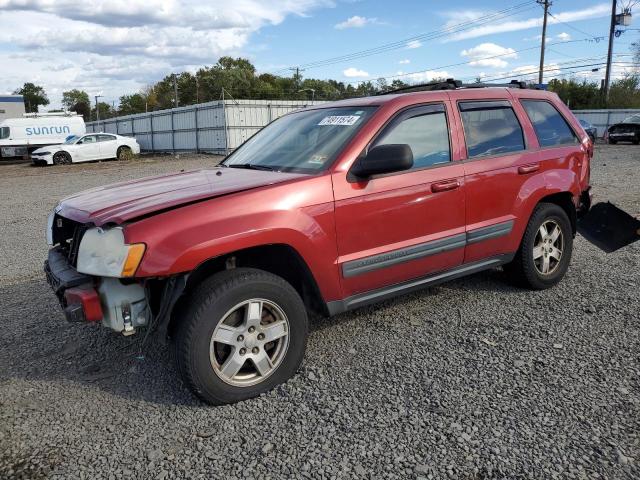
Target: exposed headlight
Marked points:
103	253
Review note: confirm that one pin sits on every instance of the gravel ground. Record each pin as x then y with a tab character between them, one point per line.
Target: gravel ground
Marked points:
473	379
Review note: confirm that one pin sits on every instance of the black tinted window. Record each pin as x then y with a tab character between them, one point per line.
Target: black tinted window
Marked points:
4	132
491	128
551	129
425	130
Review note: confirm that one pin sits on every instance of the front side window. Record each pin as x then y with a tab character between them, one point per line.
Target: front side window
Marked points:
550	127
490	128
425	130
306	141
88	139
4	132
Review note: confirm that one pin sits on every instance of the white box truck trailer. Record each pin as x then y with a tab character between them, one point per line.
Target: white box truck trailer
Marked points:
20	136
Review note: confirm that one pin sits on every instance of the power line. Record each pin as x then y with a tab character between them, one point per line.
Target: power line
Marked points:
408	74
572	27
507	12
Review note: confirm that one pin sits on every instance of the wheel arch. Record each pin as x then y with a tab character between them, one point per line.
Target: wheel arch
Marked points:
279	259
565	201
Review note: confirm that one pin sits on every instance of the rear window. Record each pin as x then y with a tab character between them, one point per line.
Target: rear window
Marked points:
491	128
551	128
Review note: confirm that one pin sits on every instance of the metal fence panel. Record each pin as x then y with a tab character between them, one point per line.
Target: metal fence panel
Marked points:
603	119
215	127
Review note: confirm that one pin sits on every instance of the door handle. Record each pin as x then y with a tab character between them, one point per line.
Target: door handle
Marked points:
444	186
524	169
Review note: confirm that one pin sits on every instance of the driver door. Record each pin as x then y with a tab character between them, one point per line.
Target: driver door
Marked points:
87	149
403	225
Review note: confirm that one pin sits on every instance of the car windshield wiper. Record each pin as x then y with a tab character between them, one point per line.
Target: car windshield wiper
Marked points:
251	166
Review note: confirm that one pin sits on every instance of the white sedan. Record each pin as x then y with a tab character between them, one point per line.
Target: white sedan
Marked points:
85	148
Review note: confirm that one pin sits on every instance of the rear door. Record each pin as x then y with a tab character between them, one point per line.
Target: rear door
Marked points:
403	225
108	146
497	165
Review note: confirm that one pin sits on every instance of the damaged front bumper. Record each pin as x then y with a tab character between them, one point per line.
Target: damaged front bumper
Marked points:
120	306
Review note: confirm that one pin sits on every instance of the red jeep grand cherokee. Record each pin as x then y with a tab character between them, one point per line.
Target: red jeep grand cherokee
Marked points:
326	209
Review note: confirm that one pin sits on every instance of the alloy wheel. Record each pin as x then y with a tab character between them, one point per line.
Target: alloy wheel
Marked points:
548	247
249	343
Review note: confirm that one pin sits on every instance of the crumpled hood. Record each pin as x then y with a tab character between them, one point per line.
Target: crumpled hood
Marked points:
120	202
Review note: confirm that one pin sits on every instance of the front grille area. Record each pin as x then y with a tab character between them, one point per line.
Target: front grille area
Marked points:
68	234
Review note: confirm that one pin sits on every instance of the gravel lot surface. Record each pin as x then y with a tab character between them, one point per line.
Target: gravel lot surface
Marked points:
473	379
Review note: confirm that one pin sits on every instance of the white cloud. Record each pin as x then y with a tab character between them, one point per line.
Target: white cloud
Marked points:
404	62
354	72
421	77
120	45
563	37
355	22
489	55
595	11
414	44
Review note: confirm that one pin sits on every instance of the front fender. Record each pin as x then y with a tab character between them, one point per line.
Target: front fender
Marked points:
299	215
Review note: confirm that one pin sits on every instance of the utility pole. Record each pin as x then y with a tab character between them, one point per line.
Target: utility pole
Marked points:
296	75
97	107
546	4
175	89
612	32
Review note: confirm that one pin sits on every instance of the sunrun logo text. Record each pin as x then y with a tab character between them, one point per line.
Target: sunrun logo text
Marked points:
47	130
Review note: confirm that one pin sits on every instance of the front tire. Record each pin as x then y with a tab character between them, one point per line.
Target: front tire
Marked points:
62	158
244	332
545	251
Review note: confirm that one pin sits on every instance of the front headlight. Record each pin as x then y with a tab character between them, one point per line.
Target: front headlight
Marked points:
103	253
40	154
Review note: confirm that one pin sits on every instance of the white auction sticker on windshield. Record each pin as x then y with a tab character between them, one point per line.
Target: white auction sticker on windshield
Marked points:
339	120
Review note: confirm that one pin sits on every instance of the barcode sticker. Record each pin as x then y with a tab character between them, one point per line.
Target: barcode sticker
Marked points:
339	120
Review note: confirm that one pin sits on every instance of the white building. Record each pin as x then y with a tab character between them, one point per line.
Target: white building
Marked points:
11	106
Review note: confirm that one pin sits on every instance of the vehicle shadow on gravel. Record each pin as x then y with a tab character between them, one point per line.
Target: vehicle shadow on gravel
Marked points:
38	344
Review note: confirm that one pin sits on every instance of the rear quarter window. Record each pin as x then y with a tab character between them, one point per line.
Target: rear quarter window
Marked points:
551	128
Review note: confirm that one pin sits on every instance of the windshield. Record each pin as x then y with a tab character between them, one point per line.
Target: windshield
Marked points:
306	141
71	139
632	119
4	132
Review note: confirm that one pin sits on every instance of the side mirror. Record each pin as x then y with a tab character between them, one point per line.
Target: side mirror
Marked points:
384	159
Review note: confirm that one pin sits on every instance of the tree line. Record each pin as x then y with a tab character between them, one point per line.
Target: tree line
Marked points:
237	78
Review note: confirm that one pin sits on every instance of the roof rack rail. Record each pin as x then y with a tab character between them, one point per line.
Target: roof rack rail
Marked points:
452	84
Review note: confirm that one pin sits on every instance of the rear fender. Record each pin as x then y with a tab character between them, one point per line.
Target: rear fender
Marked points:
545	185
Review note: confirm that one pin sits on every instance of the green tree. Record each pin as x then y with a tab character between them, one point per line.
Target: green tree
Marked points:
34	96
77	101
130	104
70	98
106	111
577	95
625	92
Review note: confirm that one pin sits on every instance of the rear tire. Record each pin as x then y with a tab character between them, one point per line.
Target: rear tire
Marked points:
123	153
62	158
545	251
229	322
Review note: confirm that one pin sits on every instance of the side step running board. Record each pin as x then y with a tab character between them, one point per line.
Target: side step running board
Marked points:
391	291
